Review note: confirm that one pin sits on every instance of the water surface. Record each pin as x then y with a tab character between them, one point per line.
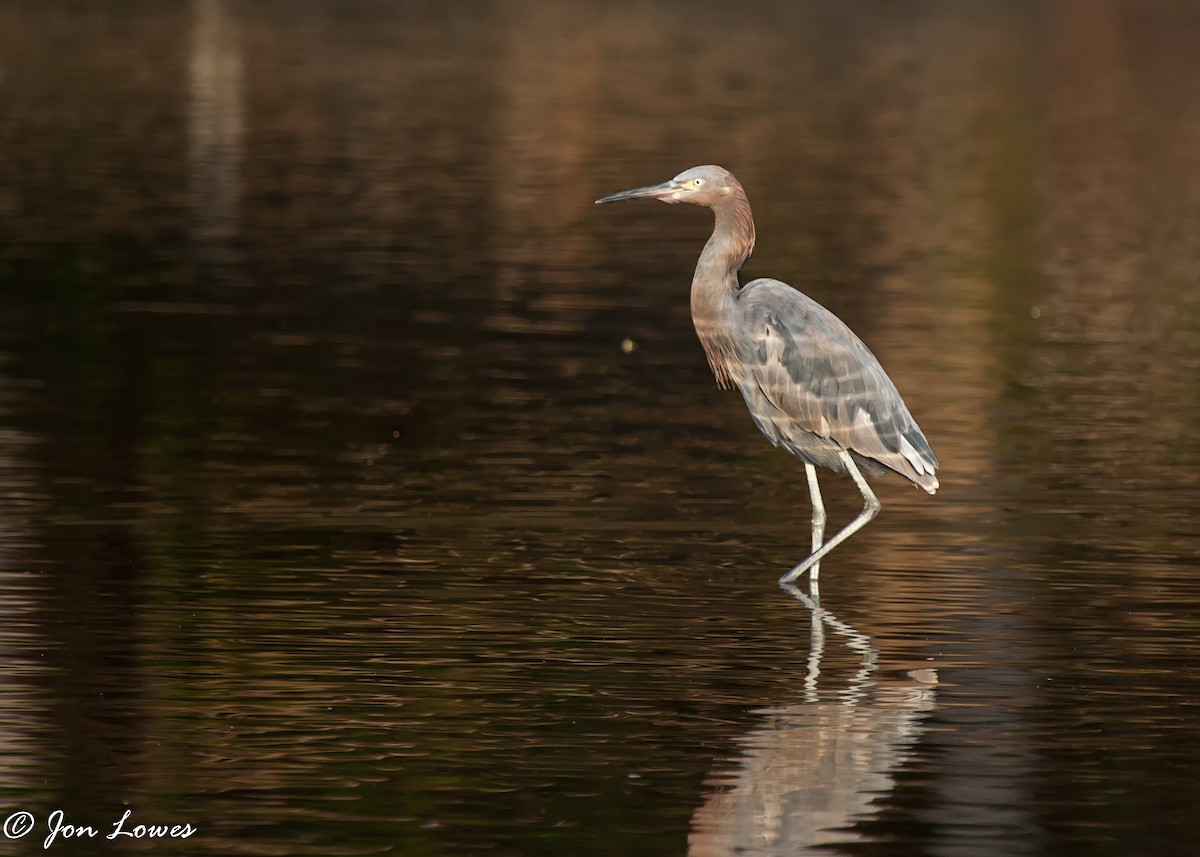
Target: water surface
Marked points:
363	488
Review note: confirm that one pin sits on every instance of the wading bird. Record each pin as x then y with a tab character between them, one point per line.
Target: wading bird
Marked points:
811	385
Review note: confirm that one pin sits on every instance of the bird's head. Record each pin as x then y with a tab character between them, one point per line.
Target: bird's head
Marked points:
708	185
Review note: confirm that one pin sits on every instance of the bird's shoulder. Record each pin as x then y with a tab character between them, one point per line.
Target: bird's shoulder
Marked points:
774	312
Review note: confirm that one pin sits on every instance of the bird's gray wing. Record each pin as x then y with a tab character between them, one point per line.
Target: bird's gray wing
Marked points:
815	388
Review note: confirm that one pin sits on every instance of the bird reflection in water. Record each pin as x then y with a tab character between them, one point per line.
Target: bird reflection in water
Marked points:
812	772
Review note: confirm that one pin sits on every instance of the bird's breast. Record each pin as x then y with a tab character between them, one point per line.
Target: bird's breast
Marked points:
721	352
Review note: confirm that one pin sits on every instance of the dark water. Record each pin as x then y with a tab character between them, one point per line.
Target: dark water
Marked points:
364	488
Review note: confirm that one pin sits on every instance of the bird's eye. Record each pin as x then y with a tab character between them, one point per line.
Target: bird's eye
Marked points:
697	182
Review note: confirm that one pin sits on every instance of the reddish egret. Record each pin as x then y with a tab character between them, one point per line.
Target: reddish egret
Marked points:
811	385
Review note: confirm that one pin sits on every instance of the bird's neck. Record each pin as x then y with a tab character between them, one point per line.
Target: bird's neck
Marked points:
732	239
715	284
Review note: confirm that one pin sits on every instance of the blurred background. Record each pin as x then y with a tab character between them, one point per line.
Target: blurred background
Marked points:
364	489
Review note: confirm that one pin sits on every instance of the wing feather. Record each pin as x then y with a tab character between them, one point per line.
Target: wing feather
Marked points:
814	388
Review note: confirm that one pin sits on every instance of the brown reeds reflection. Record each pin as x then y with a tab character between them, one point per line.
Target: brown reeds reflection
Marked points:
216	129
24	701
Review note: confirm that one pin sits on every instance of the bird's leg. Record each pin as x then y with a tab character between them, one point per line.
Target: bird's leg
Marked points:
818	518
870	510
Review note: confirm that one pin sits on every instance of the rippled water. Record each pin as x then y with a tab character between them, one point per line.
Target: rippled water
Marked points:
364	489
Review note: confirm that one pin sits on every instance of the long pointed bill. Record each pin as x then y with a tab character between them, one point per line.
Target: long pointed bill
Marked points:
654	191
